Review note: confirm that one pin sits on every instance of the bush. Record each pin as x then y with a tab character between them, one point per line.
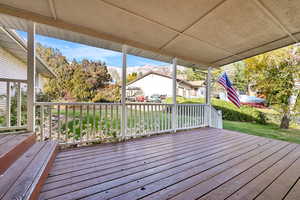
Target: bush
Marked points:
244	114
229	111
110	93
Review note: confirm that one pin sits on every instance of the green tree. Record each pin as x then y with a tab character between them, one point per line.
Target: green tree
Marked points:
274	75
132	77
239	78
77	80
193	74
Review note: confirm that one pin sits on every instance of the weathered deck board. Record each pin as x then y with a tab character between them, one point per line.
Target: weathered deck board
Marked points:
203	163
12	147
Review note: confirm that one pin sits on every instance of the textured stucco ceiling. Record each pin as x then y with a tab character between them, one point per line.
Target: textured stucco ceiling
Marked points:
198	32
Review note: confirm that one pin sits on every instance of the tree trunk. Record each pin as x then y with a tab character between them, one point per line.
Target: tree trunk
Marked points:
285	121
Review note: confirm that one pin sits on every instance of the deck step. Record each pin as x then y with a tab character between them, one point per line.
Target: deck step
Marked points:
12	147
25	177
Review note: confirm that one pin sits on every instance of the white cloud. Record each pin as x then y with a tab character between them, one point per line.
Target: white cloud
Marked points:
82	51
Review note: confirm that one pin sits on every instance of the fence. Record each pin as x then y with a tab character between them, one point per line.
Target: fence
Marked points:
71	123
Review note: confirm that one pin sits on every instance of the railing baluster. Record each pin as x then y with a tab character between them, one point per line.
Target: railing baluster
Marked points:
111	118
140	119
144	120
66	123
88	133
8	104
42	122
94	121
58	121
19	104
80	123
50	122
74	124
100	122
118	123
106	120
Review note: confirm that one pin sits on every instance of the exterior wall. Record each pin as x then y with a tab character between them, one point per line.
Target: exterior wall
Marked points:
155	84
12	68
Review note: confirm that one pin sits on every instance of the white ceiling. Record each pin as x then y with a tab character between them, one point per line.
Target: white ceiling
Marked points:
198	32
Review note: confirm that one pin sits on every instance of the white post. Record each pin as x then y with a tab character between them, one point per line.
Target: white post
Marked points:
123	97
8	104
19	104
31	70
174	94
220	120
208	94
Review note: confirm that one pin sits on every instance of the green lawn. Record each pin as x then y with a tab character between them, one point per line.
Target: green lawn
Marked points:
269	130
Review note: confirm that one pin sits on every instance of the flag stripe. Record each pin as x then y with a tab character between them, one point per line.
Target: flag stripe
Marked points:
231	92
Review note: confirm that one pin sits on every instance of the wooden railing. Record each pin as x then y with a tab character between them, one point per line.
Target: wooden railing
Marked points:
71	123
216	118
12	88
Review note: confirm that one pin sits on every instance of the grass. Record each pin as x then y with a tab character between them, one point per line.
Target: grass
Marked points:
268	130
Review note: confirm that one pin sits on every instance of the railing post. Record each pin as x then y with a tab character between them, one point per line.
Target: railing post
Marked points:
8	104
208	95
31	70
174	93
123	95
19	104
220	120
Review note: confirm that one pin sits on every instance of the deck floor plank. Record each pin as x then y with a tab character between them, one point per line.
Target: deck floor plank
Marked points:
108	156
208	163
294	193
238	182
281	186
125	158
151	167
137	147
123	164
259	184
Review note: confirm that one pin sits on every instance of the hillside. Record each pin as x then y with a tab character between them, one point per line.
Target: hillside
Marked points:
116	72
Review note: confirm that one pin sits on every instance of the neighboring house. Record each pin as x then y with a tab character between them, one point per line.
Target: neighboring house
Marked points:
13	57
155	83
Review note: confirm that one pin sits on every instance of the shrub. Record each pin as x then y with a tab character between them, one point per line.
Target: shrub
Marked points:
244	114
229	111
110	93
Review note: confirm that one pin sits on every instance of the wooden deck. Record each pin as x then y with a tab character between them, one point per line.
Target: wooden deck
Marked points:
199	164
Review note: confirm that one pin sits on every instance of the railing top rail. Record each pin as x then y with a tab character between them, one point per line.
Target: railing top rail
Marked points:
73	103
12	80
193	104
91	103
147	103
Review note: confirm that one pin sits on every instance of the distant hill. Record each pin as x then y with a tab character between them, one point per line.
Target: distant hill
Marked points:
116	72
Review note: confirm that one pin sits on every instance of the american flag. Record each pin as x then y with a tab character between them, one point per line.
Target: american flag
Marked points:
231	92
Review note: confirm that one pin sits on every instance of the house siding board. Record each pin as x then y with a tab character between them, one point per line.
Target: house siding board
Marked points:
13	68
162	85
154	84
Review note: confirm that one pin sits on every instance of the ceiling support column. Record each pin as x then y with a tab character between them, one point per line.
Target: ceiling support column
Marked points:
174	94
31	72
123	94
208	96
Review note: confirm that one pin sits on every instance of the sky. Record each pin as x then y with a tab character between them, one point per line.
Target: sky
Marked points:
79	51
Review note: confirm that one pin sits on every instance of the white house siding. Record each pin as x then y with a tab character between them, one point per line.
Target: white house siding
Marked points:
13	68
156	84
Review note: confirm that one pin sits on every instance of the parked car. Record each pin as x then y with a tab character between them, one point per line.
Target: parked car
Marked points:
155	98
140	98
252	101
